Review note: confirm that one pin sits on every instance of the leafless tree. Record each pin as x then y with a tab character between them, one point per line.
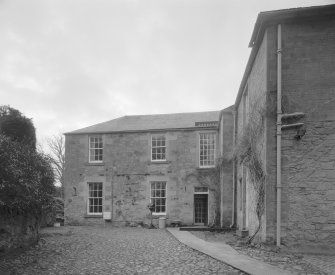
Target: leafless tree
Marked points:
56	146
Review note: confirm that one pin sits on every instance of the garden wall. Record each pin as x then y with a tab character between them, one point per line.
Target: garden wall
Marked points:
18	231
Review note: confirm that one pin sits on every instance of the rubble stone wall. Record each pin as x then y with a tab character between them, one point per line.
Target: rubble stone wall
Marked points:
309	163
254	95
126	174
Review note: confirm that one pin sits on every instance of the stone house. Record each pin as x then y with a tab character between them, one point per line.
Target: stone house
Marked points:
281	182
286	106
116	168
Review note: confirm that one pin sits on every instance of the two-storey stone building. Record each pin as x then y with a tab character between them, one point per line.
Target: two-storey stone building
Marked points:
116	168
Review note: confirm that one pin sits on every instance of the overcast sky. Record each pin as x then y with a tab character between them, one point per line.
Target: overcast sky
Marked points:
70	64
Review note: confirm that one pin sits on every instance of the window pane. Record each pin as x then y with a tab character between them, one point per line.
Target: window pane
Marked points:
207	149
95	194
158	193
158	148
95	148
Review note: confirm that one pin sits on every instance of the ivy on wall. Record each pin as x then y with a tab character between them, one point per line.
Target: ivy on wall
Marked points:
248	152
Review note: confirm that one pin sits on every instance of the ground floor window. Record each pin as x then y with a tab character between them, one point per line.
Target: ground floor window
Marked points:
158	196
94	198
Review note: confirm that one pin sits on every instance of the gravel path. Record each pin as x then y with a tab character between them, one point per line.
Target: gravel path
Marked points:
99	250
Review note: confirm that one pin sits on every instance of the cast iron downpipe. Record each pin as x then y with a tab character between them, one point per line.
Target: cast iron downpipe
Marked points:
279	132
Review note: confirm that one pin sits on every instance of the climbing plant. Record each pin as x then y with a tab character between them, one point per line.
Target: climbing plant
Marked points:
248	153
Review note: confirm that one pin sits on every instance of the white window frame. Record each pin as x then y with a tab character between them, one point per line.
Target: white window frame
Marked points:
152	147
95	197
99	148
165	197
214	150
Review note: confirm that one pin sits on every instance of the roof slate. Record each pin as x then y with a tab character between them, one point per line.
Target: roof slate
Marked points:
150	122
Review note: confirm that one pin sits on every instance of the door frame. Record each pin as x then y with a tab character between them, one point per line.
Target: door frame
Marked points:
201	193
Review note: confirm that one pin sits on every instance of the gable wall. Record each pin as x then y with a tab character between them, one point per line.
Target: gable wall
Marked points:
309	163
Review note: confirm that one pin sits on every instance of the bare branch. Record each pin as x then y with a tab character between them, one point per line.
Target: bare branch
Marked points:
56	146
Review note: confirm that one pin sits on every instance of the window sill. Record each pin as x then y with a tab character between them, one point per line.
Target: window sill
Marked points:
94	164
159	162
87	216
206	168
159	215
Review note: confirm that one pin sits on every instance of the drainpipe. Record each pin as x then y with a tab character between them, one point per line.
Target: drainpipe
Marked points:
279	132
233	221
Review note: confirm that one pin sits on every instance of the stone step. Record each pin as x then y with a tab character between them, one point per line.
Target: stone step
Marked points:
205	228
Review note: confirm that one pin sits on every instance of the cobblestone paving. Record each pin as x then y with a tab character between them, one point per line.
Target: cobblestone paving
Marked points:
292	262
99	250
323	262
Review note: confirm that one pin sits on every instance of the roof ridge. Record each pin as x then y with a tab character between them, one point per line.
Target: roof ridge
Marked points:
151	122
181	113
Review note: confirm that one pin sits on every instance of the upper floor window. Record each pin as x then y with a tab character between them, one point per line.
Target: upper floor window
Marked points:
207	149
158	148
95	149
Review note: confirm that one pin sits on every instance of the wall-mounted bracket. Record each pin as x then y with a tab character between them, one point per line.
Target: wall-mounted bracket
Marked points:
292	115
294	125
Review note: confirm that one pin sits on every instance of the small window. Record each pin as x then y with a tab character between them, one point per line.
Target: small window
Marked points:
158	196
94	198
207	149
95	149
158	148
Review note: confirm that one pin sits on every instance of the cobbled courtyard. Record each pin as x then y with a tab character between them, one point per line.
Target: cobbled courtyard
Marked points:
110	250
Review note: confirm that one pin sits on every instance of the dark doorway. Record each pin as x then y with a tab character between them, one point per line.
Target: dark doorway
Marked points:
200	209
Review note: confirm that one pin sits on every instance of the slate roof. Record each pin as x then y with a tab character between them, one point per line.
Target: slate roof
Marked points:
152	122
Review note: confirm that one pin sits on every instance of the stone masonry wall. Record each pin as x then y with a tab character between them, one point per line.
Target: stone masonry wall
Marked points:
309	163
226	176
256	88
126	174
271	137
